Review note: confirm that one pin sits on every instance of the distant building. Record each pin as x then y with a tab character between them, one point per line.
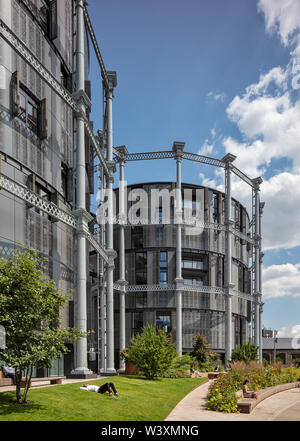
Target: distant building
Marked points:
282	348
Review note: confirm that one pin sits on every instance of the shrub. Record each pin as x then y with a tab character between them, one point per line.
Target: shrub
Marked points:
246	352
152	353
202	352
296	362
180	367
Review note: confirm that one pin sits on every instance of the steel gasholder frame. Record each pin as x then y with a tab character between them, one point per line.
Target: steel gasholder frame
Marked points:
229	291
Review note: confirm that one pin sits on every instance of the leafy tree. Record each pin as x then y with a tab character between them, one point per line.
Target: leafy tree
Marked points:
203	352
152	353
29	311
246	352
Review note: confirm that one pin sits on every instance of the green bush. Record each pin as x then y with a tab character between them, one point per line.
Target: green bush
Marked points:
296	362
180	367
246	352
152	353
204	355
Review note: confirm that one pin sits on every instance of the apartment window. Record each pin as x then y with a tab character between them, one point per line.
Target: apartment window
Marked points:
48	17
66	78
28	111
196	281
159	214
137	237
190	205
140	299
163	299
64	179
215	206
163	267
25	106
141	268
137	322
163	321
193	264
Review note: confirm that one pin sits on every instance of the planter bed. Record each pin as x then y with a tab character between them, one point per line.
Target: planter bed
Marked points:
246	405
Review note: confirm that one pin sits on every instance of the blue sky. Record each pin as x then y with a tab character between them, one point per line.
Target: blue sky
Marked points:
218	76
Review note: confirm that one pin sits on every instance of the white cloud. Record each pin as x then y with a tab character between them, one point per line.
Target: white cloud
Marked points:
289	331
206	148
217	96
208	182
281	280
270	126
281	216
282	16
268	116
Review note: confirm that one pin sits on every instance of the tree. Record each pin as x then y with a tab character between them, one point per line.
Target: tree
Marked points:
202	351
30	304
246	352
152	353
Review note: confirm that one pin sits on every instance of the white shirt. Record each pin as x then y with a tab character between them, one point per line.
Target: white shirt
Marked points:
91	387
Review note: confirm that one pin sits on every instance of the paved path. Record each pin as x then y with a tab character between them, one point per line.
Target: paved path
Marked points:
284	406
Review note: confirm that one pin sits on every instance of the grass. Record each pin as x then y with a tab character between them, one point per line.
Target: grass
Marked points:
141	400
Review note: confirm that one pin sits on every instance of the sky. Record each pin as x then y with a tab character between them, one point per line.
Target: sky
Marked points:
223	77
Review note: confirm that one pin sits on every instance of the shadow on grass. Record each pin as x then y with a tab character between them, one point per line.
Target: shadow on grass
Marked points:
8	405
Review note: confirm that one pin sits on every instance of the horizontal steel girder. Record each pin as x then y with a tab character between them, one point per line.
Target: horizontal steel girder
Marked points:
166	154
37	201
185	288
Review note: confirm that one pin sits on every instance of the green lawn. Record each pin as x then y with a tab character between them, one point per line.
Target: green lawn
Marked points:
141	400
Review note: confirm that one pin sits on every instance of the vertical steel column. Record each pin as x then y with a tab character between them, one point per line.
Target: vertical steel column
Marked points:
102	289
256	183
261	255
80	362
178	148
122	277
228	159
110	363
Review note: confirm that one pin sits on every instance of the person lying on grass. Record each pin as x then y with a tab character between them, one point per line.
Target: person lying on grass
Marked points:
107	387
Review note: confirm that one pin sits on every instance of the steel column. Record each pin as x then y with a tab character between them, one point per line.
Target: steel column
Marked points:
81	363
261	207
122	278
110	364
228	159
256	183
178	148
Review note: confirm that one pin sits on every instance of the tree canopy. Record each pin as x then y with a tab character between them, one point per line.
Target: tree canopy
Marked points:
30	305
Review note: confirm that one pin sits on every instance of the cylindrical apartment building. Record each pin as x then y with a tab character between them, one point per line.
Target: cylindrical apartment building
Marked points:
150	247
38	138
